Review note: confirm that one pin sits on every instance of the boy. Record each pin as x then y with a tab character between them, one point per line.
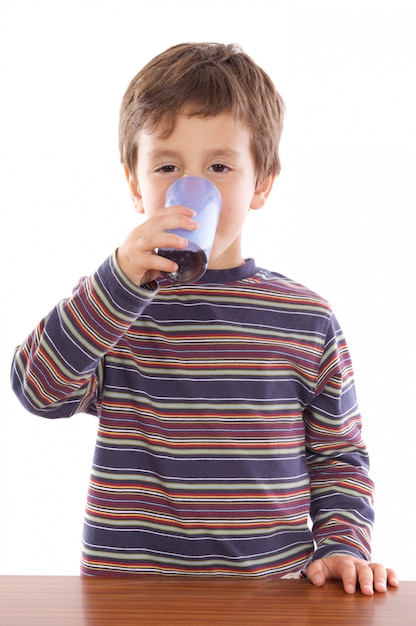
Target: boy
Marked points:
227	408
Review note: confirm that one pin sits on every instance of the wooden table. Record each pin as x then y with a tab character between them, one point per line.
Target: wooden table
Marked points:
165	601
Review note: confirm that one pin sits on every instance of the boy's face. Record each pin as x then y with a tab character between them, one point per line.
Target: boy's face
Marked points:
217	148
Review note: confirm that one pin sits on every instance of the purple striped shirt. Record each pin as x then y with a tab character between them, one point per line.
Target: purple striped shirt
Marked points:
229	435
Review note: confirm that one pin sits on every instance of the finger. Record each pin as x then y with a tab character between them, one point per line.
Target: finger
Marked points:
383	577
316	574
150	238
379	577
365	579
392	577
348	575
143	244
172	218
178	208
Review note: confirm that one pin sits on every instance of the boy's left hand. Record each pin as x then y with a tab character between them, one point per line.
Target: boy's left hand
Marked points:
370	577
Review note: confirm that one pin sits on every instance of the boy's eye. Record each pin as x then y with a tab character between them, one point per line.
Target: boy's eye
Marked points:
219	167
167	168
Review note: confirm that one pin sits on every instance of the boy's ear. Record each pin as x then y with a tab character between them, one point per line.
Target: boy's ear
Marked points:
136	196
262	192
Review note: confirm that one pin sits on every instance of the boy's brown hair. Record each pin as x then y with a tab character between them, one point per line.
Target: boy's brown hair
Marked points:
203	79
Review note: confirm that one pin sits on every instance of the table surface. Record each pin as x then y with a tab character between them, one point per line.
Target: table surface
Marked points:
150	601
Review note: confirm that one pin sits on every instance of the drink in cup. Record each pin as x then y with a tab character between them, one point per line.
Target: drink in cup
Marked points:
201	195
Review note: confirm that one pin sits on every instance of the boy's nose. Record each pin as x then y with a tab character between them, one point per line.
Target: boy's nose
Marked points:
193	172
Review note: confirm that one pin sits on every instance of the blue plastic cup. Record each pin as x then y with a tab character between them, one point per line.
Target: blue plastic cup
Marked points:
201	195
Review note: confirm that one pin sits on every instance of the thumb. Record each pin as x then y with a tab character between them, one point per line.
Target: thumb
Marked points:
315	572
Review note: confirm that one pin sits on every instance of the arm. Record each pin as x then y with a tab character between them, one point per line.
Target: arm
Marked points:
341	488
56	371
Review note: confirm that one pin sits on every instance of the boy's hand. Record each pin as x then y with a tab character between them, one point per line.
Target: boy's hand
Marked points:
136	256
352	571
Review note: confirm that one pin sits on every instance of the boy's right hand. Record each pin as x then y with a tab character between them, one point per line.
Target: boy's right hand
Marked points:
137	256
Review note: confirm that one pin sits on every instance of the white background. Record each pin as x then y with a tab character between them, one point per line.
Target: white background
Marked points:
339	221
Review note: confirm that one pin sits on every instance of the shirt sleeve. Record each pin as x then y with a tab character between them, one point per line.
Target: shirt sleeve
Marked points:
56	371
341	489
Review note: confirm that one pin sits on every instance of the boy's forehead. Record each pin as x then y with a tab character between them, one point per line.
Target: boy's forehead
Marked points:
223	126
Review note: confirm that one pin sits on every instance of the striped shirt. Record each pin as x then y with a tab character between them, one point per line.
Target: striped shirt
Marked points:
229	437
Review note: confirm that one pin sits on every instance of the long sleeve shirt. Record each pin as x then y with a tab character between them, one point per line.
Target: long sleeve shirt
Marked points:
229	436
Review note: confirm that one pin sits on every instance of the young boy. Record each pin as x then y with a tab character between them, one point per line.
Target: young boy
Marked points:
227	414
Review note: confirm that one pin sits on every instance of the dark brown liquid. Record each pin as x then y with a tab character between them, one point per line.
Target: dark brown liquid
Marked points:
191	264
